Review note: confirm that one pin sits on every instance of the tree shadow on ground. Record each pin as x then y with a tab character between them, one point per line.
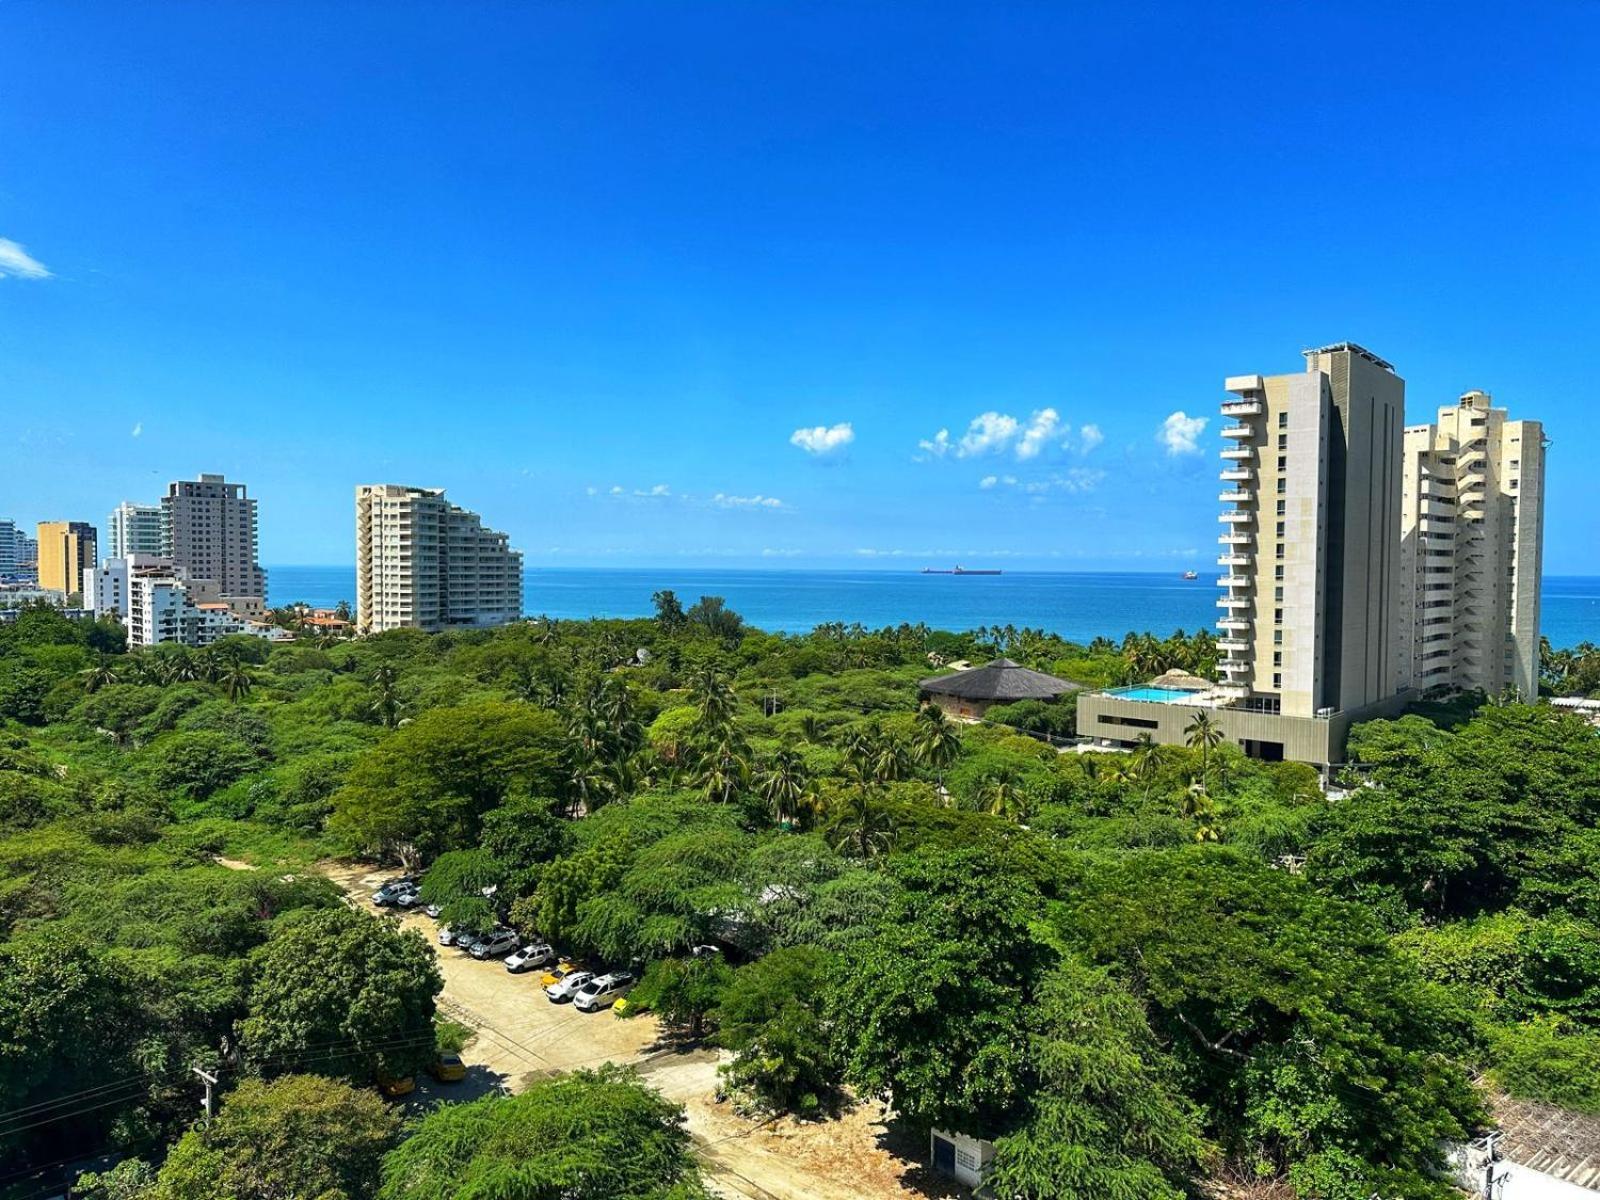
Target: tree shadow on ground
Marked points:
910	1145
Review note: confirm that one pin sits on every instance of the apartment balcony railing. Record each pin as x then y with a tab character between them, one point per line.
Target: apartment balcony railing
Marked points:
1234	689
1237	539
1237	495
1236	602
1237	518
1234	624
1238	475
1239	453
1238	431
1243	408
1234	667
1227	643
1234	581
1234	560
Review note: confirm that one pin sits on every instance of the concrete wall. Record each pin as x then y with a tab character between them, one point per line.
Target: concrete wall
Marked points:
1316	740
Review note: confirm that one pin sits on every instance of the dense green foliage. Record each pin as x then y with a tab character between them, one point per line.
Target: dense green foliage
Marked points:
592	1135
1128	969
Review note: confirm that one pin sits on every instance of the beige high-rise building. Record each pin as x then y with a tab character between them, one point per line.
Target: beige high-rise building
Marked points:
209	531
1309	552
424	563
1471	538
65	549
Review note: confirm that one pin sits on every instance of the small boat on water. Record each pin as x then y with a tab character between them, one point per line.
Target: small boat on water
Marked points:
958	570
1191	575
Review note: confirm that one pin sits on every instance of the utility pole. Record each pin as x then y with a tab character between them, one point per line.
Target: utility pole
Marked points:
209	1105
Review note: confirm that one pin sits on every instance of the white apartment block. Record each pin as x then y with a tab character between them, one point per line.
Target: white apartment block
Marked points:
1471	537
424	563
209	531
156	604
134	529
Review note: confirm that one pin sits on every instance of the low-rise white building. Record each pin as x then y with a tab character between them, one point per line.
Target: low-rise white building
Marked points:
151	597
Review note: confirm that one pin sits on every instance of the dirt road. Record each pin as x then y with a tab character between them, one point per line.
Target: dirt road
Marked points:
522	1036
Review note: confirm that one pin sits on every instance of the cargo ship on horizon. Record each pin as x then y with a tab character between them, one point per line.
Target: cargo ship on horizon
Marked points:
960	570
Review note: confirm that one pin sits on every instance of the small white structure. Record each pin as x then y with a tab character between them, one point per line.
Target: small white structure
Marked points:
963	1158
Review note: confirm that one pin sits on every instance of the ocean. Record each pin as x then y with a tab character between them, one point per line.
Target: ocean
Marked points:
1078	606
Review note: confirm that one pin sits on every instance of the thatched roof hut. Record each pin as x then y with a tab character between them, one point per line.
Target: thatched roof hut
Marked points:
1183	681
970	693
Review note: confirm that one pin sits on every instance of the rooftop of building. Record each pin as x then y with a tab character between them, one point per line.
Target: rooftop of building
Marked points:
1001	680
1351	348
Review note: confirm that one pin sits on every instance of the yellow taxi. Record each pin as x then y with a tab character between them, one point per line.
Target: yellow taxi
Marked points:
558	972
395	1086
448	1068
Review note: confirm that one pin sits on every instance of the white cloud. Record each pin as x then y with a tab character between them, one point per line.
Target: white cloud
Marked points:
1041	427
1000	433
18	263
1089	437
1180	433
824	439
659	489
1074	480
756	501
138	428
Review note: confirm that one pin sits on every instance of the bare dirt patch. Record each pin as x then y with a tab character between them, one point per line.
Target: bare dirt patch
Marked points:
522	1037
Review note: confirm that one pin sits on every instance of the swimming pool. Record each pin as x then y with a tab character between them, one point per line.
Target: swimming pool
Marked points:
1155	695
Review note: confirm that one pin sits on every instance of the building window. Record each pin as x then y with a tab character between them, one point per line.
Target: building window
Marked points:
1283	420
1282	505
1283	441
1277	658
1277	616
1280	528
1277	594
1283	485
1277	680
1277	571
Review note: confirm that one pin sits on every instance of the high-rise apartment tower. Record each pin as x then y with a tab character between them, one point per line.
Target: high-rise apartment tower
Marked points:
1471	533
209	531
65	549
424	563
133	529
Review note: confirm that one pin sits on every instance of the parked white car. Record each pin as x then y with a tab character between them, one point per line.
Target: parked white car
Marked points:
566	988
536	955
493	945
408	898
447	936
604	991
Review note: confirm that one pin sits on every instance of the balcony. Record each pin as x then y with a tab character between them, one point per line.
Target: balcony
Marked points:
1237	496
1238	644
1234	624
1237	518
1238	431
1237	667
1234	581
1241	385
1240	453
1236	603
1238	475
1237	538
1232	559
1243	408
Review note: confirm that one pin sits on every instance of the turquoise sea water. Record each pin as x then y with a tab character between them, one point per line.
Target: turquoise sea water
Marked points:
1079	606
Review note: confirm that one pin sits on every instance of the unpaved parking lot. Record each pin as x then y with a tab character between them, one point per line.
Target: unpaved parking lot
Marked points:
521	1036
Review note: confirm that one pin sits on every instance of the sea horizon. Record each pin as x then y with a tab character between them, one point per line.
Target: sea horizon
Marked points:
1077	605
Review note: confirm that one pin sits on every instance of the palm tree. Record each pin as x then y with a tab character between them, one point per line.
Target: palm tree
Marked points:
102	674
1203	734
715	698
1144	761
811	727
723	771
782	783
860	826
938	743
1002	794
890	762
235	679
386	699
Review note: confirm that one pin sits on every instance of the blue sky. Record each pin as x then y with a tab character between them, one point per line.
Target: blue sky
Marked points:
595	268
